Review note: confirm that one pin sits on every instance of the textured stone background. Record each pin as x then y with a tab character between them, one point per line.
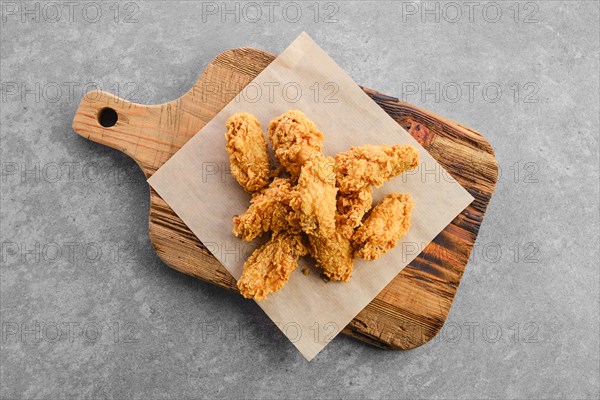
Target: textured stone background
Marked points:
89	310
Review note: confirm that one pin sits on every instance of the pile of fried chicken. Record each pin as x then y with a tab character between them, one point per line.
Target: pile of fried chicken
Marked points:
312	204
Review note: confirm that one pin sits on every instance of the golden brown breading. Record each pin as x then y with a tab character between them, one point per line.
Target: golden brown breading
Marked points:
295	139
387	223
333	255
270	210
247	148
316	186
351	208
373	165
269	267
325	198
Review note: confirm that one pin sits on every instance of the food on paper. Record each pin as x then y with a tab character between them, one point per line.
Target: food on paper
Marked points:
269	267
247	148
271	209
334	255
313	204
295	139
387	223
362	166
316	186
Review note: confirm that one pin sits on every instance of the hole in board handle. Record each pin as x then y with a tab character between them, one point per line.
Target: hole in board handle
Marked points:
107	117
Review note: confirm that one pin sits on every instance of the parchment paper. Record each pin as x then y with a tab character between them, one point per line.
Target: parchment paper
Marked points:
197	184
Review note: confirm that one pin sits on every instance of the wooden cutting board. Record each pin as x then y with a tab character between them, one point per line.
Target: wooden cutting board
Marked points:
413	307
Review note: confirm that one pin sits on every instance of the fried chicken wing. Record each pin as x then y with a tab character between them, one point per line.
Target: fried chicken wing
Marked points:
351	208
270	210
324	199
269	267
373	165
316	186
247	148
333	255
295	139
387	223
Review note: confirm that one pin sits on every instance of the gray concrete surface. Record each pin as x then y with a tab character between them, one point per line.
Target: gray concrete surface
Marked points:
89	311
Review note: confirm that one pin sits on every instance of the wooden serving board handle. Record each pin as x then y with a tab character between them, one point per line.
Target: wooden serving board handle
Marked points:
414	306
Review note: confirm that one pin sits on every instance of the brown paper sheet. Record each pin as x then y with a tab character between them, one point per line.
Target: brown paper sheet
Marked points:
197	184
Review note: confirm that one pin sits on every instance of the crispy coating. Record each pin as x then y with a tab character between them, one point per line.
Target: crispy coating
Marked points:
373	165
387	223
270	210
333	255
316	186
351	208
295	139
269	267
324	198
247	148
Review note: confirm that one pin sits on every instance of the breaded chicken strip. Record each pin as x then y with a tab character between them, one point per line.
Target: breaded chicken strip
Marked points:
316	186
270	210
247	148
269	267
386	224
351	208
295	139
333	255
373	165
